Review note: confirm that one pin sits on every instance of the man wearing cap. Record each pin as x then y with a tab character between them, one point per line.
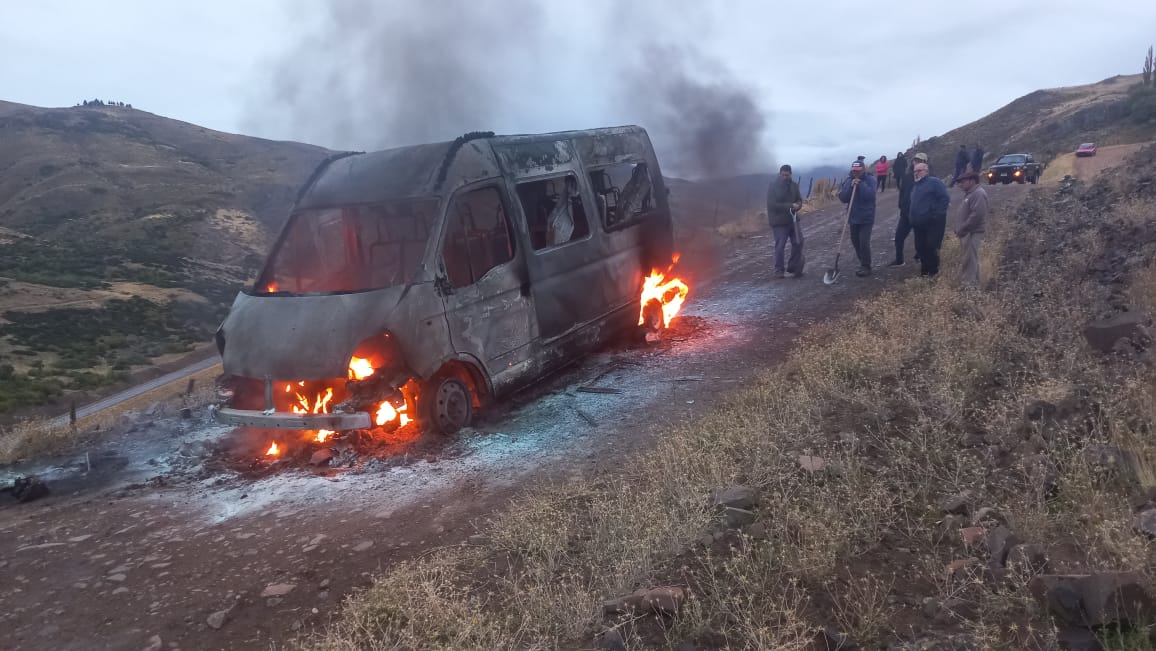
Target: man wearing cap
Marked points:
928	217
783	200
861	213
969	228
903	227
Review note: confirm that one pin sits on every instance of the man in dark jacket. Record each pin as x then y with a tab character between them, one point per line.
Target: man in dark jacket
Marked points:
903	226
783	200
898	168
928	217
977	159
961	161
861	215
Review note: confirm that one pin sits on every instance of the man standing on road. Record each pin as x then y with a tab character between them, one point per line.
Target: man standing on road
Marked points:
969	228
898	168
961	161
928	217
977	159
784	199
861	213
903	226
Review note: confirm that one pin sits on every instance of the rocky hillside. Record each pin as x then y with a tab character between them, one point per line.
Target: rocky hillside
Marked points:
1047	123
123	237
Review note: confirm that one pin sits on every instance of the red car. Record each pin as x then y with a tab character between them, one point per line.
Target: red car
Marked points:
1086	149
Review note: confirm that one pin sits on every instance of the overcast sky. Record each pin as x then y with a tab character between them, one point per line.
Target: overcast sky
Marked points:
832	79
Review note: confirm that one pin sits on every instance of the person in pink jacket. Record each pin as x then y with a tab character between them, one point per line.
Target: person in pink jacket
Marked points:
881	172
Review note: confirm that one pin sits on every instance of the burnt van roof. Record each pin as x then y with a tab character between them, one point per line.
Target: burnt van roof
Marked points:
422	170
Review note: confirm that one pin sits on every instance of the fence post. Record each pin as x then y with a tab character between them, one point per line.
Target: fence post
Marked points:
189	389
72	416
810	185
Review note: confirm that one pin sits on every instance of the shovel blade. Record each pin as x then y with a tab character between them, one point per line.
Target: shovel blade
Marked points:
830	277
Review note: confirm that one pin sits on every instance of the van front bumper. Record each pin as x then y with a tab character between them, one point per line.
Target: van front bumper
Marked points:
284	420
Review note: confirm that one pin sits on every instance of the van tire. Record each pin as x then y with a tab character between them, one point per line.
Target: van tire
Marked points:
448	405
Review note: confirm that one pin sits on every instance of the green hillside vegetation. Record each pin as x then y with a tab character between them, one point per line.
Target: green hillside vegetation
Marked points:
101	194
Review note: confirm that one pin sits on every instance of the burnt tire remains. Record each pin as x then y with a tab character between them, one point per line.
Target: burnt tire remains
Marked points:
449	406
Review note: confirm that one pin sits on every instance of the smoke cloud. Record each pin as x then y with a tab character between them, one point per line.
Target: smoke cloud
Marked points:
373	74
710	125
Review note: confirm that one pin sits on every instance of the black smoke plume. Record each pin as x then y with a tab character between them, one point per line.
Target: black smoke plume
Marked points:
375	74
705	123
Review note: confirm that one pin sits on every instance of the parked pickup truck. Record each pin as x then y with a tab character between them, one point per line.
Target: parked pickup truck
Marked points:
1014	167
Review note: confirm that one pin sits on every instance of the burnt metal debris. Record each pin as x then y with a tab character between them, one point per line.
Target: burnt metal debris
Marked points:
465	268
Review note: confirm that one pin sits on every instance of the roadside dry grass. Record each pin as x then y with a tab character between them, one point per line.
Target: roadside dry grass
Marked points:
41	437
923	393
753	221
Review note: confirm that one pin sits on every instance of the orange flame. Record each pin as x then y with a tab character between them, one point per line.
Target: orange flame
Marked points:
323	434
360	368
273	450
271	288
387	413
671	294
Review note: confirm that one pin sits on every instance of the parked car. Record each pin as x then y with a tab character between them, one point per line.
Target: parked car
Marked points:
425	281
1014	167
1086	149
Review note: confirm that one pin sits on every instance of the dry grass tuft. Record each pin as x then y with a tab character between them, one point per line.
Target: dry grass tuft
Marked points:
887	397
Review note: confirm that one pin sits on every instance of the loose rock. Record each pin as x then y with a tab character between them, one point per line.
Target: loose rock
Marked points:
155	643
217	619
811	463
278	589
737	496
972	536
738	517
321	457
1145	522
666	601
1103	335
999	542
1091	600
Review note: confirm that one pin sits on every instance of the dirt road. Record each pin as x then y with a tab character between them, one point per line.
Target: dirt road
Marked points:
160	540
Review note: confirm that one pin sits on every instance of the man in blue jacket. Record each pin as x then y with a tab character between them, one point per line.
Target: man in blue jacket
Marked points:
928	217
861	215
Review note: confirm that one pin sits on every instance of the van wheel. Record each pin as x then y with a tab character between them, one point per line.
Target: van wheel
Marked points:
448	405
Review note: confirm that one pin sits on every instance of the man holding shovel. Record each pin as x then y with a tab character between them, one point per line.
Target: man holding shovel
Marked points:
858	191
783	202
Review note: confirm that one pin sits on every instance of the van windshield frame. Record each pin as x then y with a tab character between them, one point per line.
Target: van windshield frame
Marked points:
350	248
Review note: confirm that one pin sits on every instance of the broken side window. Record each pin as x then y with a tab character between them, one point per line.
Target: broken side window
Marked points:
554	211
625	193
478	236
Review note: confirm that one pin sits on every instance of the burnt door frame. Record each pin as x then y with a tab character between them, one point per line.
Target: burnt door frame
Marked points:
565	282
492	318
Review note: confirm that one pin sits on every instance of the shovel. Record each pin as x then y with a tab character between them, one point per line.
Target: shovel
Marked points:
832	274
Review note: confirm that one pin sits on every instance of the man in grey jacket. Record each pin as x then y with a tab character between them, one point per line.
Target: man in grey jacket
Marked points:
783	200
969	228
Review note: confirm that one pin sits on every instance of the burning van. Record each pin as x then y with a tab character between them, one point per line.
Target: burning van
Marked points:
422	282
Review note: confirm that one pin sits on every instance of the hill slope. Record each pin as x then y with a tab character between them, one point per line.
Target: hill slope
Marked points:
123	237
1046	123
